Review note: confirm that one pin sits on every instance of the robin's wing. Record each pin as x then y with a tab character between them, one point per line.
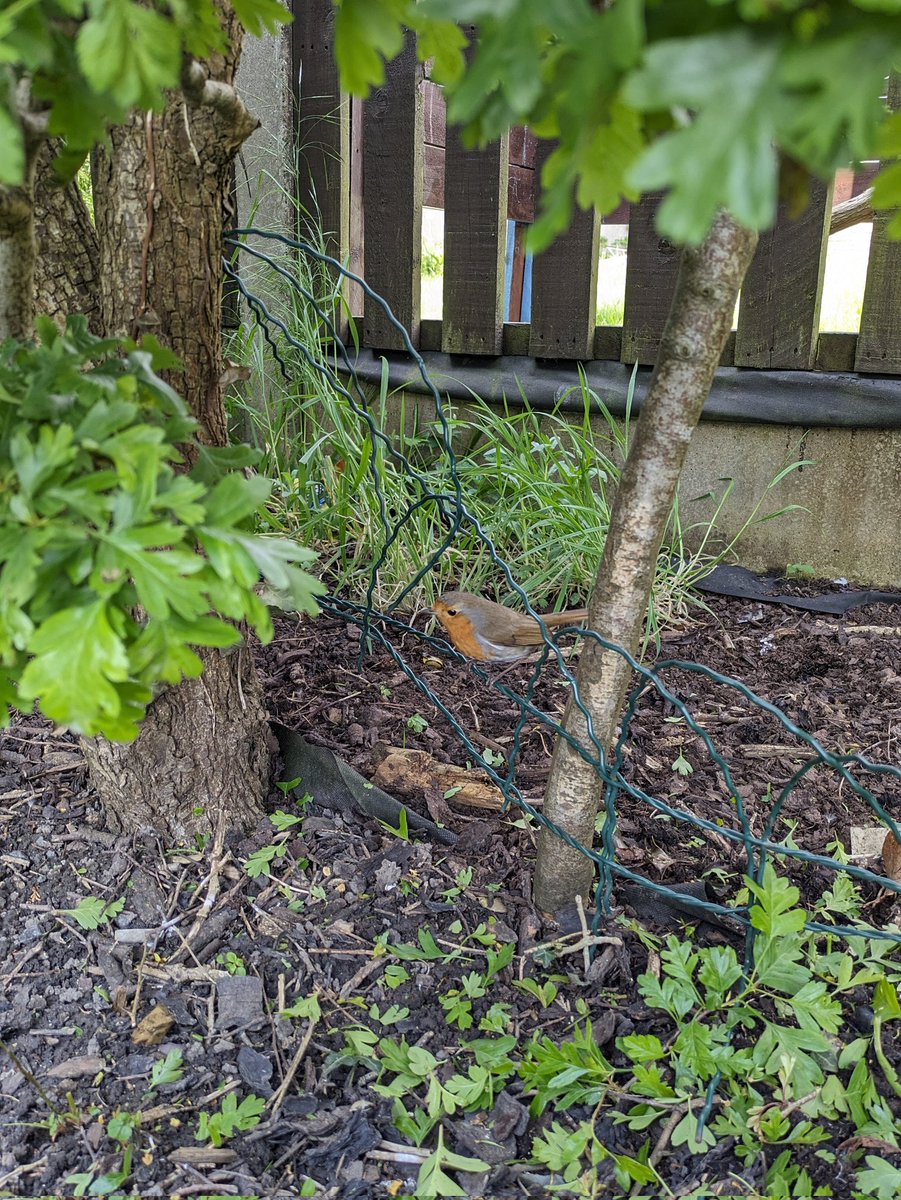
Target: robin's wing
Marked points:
526	632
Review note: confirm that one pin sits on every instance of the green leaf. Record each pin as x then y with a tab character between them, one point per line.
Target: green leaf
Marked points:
444	43
833	112
78	659
92	912
235	497
885	1001
724	157
694	1045
880	1178
641	1047
686	1134
774	913
130	51
366	33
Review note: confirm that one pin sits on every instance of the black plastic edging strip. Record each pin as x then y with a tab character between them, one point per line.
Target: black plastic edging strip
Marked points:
810	399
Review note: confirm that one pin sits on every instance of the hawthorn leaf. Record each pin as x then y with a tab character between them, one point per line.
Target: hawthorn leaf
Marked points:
366	33
78	659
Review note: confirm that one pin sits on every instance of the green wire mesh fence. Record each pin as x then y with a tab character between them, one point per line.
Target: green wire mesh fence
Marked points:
332	361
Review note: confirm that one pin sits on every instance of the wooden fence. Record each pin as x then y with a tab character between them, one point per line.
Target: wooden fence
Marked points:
369	168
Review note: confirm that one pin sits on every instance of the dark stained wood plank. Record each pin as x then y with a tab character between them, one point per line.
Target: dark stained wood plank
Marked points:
433	183
523	146
608	343
392	200
836	351
521	193
430	334
516	340
879	341
565	287
779	315
434	114
651	269
322	117
475	235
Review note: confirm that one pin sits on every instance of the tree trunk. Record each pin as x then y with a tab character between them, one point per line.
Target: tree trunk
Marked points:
66	276
696	331
203	756
17	244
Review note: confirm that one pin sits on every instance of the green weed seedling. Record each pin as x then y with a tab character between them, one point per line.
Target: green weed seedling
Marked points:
433	1180
231	1118
261	861
232	962
92	912
121	1128
402	830
166	1070
576	1154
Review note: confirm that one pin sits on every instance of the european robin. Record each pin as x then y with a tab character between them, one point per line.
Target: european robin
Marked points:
490	632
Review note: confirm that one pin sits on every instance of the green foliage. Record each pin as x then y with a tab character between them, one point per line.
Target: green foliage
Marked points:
698	98
433	1179
96	523
166	1070
565	1073
539	484
93	912
232	1118
91	61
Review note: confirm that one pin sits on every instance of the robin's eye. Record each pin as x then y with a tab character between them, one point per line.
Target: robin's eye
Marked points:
451	612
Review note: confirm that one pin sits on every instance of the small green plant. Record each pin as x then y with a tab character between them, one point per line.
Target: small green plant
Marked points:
232	962
462	880
232	1118
417	723
681	765
166	1070
92	912
260	862
121	1129
402	829
433	1180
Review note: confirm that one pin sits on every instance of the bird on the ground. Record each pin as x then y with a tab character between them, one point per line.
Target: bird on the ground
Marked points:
490	632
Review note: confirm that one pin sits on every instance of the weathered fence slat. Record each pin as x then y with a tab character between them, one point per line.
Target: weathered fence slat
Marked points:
323	127
475	233
652	264
565	286
392	200
879	342
779	315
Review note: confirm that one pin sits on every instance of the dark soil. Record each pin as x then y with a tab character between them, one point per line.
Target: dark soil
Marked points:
70	997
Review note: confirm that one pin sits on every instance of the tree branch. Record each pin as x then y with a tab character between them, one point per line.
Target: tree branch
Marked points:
855	211
203	92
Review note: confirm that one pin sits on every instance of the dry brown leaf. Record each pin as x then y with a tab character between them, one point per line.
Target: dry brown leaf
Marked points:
152	1029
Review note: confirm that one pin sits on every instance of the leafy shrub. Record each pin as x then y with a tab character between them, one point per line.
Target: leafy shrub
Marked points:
114	564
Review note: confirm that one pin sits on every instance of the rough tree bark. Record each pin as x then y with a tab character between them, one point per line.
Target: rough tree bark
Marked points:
203	758
696	331
17	241
66	275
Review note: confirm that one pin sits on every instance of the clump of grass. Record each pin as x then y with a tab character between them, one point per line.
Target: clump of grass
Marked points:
537	485
610	313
